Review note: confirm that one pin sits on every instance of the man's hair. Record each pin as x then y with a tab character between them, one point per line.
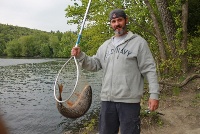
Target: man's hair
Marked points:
116	13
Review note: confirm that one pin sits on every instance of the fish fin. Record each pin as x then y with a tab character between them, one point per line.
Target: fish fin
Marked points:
70	103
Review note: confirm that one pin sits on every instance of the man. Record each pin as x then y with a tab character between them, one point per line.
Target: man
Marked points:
125	59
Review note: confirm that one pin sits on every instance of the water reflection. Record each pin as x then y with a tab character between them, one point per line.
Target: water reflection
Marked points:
27	100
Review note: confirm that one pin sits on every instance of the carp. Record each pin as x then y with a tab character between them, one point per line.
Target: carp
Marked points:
77	108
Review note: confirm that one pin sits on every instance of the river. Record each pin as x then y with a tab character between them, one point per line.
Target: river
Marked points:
27	102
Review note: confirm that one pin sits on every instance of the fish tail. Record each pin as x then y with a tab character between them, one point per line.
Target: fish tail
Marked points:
60	86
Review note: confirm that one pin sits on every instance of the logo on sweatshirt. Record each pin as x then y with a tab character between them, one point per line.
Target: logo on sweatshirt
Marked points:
118	51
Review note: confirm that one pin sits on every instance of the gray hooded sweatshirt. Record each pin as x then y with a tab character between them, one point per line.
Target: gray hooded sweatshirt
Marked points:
124	68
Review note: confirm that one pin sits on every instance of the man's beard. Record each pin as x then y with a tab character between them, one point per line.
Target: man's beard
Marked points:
121	32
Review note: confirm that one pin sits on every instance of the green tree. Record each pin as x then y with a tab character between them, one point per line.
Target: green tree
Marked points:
193	18
54	45
29	39
2	44
66	44
13	48
45	50
28	46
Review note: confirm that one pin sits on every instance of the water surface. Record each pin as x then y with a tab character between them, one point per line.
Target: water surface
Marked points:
27	100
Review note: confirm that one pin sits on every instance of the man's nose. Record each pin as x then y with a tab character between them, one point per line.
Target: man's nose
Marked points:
117	22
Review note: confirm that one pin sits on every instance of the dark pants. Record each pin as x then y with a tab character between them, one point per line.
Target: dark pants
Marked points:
117	115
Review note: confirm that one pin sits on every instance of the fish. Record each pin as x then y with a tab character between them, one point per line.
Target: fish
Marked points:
78	108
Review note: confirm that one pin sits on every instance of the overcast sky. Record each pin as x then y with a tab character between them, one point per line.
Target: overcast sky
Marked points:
45	15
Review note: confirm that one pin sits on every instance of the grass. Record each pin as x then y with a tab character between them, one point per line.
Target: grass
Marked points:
196	100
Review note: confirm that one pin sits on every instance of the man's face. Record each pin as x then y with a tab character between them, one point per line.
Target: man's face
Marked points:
119	25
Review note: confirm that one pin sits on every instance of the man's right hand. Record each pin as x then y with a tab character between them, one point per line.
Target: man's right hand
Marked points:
75	51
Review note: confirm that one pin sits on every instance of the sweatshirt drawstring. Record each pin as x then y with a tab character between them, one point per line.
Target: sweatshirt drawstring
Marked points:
125	44
122	49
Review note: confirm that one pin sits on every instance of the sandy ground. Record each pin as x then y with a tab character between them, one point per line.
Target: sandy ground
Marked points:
181	112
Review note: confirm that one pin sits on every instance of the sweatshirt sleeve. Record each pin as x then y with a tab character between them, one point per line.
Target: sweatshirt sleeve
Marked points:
147	68
89	63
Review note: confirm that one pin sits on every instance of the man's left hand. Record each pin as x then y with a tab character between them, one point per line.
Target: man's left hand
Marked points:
153	104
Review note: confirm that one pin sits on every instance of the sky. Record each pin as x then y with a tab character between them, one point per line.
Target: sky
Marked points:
45	15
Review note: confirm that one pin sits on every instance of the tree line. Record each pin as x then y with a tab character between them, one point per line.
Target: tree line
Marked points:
24	42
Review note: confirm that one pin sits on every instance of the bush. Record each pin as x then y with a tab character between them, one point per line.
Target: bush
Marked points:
194	51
